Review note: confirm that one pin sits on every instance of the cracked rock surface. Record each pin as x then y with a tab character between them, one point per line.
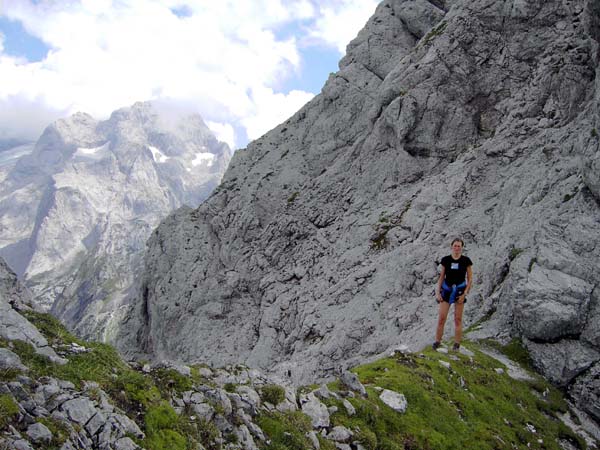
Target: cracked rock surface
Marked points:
475	118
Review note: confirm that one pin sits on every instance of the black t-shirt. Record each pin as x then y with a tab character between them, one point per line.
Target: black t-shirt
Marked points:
456	269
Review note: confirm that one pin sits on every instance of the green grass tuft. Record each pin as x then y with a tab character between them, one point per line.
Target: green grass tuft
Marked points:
60	431
230	387
286	430
532	262
514	252
272	393
162	423
8	410
169	380
435	32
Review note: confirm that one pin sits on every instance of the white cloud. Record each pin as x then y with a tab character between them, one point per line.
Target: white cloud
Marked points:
224	132
272	109
339	21
225	57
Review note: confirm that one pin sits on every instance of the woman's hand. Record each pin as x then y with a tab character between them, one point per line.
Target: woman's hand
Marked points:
461	299
438	297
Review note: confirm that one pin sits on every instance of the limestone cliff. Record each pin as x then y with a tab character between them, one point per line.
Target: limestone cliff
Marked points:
476	118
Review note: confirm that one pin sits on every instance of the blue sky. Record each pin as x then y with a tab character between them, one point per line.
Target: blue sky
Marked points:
245	65
19	43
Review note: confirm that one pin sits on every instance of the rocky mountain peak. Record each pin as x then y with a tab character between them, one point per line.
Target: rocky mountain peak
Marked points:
76	213
318	250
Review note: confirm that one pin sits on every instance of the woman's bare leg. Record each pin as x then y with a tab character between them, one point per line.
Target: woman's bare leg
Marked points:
442	316
458	314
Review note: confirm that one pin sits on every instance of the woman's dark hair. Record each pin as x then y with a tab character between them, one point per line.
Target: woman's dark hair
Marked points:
457	239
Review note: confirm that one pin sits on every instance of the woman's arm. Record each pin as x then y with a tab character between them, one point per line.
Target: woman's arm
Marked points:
438	288
469	279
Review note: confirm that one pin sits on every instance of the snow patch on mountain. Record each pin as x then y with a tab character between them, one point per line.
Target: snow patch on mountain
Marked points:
203	158
158	156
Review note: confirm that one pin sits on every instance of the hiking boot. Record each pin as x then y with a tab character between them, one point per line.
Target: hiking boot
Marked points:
456	347
435	345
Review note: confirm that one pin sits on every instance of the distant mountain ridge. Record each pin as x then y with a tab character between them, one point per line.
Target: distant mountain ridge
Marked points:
76	211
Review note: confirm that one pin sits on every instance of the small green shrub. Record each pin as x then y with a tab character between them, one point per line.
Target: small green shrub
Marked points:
162	423
168	380
367	438
60	430
367	412
388	444
532	262
435	32
293	441
231	438
299	421
514	252
272	393
9	374
230	387
380	241
8	409
517	352
594	133
286	430
159	417
166	440
208	434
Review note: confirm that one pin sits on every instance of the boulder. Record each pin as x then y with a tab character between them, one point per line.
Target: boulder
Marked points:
350	380
563	361
317	411
340	434
394	400
39	433
11	361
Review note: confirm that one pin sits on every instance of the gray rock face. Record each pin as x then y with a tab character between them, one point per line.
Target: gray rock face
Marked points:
587	390
562	362
13	326
12	291
9	360
76	213
474	118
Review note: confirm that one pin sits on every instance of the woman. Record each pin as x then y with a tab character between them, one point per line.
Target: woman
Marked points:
454	284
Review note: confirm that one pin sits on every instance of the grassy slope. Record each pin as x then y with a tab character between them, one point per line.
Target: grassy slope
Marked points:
470	405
